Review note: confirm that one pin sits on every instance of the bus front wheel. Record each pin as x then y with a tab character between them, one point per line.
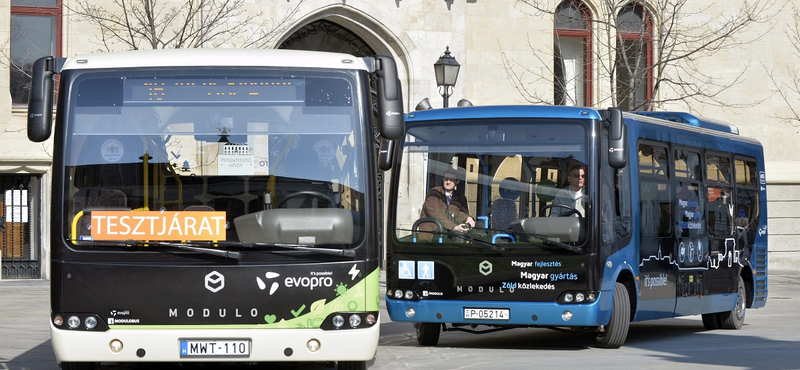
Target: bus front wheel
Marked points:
427	333
77	366
351	365
617	329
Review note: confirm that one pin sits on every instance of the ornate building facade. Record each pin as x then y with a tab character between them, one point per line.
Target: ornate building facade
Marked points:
510	52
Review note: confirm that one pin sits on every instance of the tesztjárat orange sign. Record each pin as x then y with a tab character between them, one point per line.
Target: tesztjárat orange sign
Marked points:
156	225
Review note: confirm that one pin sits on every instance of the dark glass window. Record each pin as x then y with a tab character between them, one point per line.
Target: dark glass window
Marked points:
634	58
655	197
573	47
35	32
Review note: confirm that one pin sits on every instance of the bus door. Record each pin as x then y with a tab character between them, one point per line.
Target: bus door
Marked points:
692	236
725	249
657	272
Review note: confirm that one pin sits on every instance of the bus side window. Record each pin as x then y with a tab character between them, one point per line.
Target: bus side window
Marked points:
654	190
747	211
655	208
689	192
720	211
653	160
718	168
720	202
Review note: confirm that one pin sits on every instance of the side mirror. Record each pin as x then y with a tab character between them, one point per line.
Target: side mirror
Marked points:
386	154
390	99
40	100
617	139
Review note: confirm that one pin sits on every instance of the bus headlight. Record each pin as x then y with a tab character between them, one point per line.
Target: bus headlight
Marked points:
355	320
58	320
90	322
338	321
577	297
398	294
73	322
349	320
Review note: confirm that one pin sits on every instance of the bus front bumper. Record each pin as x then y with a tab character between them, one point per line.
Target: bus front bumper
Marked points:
548	314
266	345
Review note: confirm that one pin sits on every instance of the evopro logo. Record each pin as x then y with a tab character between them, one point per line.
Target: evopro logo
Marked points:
308	282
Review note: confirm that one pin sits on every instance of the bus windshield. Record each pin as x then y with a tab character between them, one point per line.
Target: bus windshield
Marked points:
494	186
269	156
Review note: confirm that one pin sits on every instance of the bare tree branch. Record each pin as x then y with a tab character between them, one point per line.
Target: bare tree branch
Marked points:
159	24
680	38
789	88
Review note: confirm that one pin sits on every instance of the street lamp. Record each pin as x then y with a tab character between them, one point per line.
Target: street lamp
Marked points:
446	69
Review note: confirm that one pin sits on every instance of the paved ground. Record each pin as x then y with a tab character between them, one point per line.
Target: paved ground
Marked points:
769	340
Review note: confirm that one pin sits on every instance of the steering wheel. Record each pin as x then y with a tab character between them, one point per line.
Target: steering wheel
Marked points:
570	210
306	194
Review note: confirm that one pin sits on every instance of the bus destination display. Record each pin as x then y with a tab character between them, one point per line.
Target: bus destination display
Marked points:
213	90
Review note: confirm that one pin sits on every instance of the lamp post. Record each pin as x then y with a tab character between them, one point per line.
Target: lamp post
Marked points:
446	69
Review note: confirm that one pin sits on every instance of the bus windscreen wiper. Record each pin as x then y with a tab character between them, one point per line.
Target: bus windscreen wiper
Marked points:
547	239
481	243
296	247
234	254
212	251
206	250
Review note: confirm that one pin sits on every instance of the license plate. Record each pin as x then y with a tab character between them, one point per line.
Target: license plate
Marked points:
215	347
487	313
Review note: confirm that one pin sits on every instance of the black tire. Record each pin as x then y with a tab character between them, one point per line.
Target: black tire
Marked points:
711	321
77	366
428	333
617	329
351	365
734	319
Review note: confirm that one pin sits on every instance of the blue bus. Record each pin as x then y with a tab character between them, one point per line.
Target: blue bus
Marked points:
572	218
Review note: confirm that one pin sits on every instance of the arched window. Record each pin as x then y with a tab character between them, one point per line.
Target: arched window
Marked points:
35	32
324	35
573	54
634	58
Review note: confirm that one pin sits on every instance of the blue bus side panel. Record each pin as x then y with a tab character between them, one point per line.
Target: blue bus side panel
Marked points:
679	276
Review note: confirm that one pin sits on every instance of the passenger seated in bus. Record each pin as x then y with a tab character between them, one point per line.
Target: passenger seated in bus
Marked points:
571	197
446	205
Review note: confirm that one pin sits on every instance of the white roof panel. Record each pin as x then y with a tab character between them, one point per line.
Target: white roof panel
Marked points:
217	57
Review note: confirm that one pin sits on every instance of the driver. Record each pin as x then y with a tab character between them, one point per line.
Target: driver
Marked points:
571	196
448	206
